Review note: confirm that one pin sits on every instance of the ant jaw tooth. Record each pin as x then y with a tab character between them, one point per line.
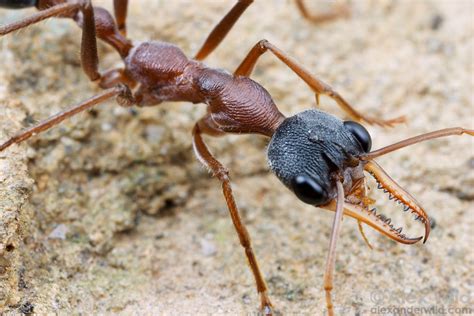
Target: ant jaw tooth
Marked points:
406	208
379	222
399	230
418	218
399	195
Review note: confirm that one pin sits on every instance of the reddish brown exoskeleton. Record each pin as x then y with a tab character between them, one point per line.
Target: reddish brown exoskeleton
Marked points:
317	156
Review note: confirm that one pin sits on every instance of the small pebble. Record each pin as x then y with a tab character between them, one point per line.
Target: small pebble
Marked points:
59	232
208	248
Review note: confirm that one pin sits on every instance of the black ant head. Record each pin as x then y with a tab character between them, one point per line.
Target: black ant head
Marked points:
311	151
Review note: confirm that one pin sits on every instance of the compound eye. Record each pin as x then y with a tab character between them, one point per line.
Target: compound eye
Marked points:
308	191
361	134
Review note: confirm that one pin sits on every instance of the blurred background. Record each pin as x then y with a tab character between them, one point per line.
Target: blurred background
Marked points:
111	212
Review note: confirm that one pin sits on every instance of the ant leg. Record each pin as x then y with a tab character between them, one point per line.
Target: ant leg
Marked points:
120	11
331	259
105	29
222	28
96	23
121	92
113	77
89	56
58	10
339	11
318	86
206	158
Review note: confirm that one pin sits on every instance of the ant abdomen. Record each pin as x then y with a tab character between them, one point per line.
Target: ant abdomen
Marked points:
17	4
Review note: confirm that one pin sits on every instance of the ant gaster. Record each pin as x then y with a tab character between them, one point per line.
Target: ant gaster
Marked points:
317	156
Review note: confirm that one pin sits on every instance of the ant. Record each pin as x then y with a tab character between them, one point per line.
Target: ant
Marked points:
317	156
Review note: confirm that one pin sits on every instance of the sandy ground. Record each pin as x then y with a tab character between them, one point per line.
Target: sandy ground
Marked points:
111	213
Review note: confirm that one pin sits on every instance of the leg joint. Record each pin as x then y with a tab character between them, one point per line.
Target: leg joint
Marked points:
263	44
222	174
125	97
245	242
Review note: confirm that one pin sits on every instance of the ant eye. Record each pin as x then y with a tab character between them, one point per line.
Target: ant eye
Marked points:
360	133
308	190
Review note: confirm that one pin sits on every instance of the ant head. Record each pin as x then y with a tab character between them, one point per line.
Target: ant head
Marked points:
311	151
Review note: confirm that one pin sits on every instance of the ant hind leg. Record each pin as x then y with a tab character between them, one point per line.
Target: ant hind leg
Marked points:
120	11
120	91
89	56
64	9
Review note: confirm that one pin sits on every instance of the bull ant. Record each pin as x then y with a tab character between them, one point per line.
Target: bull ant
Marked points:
314	154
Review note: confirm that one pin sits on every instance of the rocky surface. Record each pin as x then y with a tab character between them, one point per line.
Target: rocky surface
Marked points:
110	212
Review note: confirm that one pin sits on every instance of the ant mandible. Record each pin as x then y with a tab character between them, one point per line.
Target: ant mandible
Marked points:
317	156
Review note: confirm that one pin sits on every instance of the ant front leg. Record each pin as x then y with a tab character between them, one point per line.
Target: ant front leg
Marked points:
206	158
318	86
